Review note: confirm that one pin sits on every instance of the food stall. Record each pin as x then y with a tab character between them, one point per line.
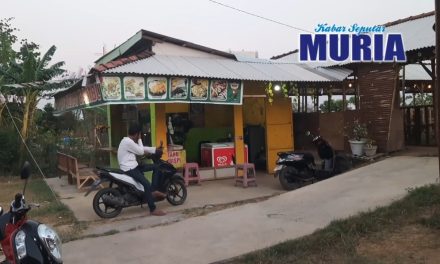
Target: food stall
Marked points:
207	93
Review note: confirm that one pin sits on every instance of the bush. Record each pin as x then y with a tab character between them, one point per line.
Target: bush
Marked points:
9	143
356	131
77	147
44	148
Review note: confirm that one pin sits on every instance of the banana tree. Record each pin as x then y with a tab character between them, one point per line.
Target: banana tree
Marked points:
28	77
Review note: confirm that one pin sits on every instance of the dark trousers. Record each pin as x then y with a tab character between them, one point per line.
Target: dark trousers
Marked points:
138	174
156	180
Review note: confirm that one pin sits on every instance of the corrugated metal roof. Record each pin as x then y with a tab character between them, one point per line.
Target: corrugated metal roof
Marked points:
415	72
338	73
334	74
417	33
292	57
224	69
250	59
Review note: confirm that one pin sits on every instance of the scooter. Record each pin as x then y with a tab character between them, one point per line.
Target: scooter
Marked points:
26	241
296	169
123	191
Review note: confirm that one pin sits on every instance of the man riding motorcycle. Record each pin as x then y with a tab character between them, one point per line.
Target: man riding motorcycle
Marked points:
131	146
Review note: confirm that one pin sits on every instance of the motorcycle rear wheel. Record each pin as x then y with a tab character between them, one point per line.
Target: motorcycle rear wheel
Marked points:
103	210
176	192
288	180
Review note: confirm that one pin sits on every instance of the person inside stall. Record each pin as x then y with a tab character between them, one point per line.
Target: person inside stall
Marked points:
131	146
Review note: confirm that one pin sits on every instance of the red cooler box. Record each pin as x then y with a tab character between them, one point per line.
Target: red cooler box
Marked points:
219	154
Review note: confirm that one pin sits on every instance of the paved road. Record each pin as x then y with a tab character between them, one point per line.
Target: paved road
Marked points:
239	230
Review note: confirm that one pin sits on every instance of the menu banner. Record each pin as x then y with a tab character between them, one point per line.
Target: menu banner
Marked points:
151	89
171	89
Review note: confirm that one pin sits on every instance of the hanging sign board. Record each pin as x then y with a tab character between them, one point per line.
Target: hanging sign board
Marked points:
174	89
151	89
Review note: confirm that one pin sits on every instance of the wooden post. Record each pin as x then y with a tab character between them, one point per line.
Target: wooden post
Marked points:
161	127
329	98
153	123
403	86
238	134
344	99
113	158
436	73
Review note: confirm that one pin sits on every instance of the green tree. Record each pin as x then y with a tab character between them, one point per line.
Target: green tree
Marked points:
7	39
335	105
420	99
7	54
331	106
46	120
31	71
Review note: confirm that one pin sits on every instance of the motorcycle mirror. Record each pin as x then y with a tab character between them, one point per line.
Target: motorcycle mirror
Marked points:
308	133
1	210
25	171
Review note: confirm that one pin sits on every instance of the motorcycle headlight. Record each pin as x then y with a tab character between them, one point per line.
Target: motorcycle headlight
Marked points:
20	244
51	241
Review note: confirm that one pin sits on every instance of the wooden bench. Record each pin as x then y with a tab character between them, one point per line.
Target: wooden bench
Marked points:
82	173
63	165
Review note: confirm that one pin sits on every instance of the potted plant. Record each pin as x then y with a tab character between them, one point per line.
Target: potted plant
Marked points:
370	148
358	134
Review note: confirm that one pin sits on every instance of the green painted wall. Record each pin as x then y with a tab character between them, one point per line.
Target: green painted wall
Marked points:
196	135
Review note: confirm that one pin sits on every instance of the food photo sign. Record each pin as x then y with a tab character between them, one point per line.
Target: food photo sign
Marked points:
134	88
171	89
157	89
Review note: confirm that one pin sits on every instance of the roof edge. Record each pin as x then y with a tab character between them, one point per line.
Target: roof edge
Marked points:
276	57
122	61
410	18
119	50
146	33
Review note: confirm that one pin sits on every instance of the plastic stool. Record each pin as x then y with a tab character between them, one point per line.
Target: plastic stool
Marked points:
247	178
191	173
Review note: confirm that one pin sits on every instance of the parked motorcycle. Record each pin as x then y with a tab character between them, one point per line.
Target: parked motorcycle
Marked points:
23	240
296	169
123	191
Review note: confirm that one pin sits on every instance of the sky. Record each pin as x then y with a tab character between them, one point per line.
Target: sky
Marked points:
81	28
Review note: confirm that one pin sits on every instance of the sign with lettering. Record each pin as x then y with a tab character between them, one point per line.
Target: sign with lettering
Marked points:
177	158
353	43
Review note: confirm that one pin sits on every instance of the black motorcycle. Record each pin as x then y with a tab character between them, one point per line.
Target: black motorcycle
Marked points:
123	191
24	240
296	169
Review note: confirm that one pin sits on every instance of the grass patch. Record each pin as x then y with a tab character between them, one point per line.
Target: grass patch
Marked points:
340	241
51	210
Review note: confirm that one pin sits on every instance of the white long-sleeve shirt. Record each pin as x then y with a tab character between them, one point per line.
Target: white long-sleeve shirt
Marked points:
127	152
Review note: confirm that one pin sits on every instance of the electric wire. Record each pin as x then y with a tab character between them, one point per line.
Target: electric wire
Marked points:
261	17
30	153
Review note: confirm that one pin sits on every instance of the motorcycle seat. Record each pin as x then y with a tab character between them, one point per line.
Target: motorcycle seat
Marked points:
111	170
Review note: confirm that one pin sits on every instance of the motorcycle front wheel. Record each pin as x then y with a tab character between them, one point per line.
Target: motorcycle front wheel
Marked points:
176	192
288	180
102	208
